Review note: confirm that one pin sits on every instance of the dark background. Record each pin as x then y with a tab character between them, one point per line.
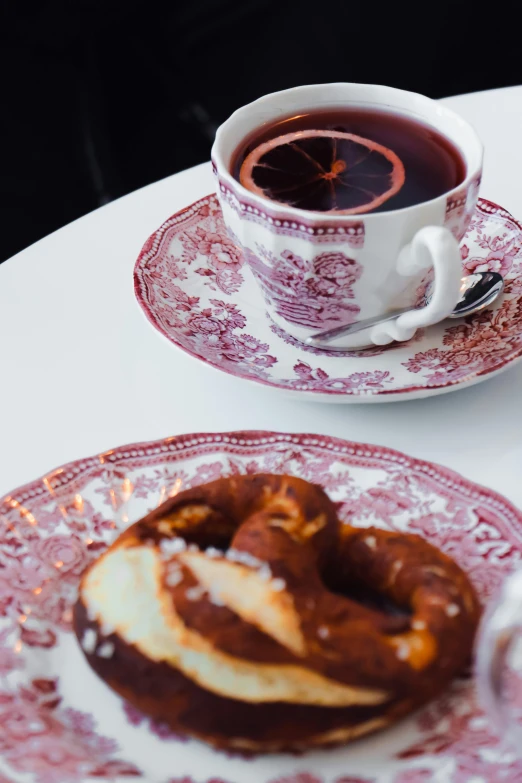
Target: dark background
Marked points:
100	97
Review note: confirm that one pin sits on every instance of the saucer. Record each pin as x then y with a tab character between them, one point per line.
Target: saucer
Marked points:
59	723
192	284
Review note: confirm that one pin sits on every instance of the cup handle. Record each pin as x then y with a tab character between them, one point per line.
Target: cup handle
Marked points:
431	246
501	627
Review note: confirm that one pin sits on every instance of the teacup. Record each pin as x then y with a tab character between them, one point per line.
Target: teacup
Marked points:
317	270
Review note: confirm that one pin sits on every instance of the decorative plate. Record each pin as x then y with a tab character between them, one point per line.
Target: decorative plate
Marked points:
60	724
193	286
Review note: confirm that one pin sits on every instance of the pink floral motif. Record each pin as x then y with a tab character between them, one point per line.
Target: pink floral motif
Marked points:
209	251
354	779
299	777
37	738
207	472
188	779
460	207
314	295
309	379
500	251
465	737
514	286
338	269
66	553
37	637
478	343
378	503
215	331
223	258
494	262
219	250
113	769
362	354
160	730
415	775
306	777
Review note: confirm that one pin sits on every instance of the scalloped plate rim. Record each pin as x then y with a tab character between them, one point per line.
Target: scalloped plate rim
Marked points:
442	472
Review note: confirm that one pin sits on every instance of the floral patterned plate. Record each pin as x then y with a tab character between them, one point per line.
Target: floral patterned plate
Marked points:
60	724
193	286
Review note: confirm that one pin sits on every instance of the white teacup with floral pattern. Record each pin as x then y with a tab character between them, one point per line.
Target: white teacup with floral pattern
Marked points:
319	270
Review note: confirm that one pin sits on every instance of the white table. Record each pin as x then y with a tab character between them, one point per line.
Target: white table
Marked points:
82	371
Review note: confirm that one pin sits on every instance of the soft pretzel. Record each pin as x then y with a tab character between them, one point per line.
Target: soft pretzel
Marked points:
245	613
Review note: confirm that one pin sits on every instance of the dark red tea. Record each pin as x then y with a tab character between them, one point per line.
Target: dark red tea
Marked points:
350	161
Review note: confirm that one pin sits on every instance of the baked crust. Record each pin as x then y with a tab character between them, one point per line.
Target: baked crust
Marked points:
245	613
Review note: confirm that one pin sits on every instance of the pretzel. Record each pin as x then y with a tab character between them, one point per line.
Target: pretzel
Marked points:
245	613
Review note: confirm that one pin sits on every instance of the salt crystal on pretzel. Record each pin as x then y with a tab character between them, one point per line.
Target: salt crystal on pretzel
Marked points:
234	615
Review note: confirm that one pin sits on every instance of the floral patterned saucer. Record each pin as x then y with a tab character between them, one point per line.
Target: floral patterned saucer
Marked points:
193	286
60	724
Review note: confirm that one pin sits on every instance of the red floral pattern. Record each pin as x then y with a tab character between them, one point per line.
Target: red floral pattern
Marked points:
305	777
363	354
47	735
41	559
416	775
52	745
461	734
224	259
315	295
312	380
191	257
460	207
188	779
137	718
476	345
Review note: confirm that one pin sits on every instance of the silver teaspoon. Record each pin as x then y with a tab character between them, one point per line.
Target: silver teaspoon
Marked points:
477	292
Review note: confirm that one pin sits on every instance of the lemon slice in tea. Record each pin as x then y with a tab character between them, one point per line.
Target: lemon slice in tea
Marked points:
323	170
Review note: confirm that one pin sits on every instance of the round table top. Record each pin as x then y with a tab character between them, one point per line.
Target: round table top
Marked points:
83	371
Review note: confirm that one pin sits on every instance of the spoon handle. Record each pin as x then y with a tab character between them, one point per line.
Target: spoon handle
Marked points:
340	331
